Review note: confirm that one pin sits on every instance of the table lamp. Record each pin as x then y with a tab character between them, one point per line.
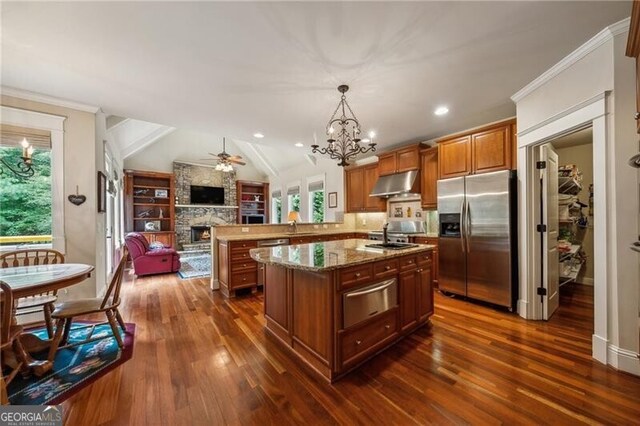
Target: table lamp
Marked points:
294	218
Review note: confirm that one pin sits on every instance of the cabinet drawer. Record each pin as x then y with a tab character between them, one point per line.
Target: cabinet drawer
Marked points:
408	262
355	275
355	343
242	279
237	255
385	268
424	258
243	245
243	265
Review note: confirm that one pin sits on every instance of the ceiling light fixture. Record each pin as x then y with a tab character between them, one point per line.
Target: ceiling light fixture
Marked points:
441	110
258	135
344	142
299	145
23	168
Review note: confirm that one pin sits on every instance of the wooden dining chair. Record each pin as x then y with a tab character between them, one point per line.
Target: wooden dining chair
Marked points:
9	333
41	302
65	312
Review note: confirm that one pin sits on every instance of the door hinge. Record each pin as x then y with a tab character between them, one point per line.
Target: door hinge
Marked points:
541	228
542	291
541	165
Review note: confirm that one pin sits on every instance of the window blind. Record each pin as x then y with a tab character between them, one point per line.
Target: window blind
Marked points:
276	194
316	186
294	190
13	136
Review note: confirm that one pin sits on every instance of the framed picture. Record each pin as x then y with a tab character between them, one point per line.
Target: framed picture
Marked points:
152	225
162	193
102	192
333	200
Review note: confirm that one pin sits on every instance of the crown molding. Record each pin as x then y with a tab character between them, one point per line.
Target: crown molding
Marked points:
592	44
45	99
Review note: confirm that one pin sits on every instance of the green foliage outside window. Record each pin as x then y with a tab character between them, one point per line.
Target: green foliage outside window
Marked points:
278	209
294	202
317	206
25	204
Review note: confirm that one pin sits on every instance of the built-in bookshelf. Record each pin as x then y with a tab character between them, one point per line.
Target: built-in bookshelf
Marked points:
150	205
253	202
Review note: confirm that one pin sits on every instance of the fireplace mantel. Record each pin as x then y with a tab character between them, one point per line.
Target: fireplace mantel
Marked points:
206	206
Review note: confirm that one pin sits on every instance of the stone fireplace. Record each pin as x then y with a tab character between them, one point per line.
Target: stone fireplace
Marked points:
192	220
200	234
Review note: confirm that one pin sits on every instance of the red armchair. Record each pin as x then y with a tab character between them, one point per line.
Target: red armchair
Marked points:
147	261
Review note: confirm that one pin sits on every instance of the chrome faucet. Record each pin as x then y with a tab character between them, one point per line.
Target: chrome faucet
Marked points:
385	237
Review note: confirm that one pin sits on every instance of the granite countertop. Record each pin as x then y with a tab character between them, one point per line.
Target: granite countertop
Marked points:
247	237
251	237
329	255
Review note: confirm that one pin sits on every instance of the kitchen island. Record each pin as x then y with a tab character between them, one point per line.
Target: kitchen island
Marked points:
336	304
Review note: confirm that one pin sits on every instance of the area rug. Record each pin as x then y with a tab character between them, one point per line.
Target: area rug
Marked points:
195	266
74	368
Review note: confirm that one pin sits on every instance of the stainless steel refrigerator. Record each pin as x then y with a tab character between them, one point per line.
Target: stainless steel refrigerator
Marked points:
478	232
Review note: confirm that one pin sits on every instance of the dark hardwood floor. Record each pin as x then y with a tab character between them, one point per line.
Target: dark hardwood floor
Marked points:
200	359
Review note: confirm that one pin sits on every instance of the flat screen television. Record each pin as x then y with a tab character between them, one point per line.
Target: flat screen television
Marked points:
207	195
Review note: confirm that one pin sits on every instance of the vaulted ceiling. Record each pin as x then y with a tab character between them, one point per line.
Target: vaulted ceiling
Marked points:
233	69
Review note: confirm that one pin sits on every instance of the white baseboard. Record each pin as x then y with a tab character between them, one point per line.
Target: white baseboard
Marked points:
599	347
624	360
523	306
215	284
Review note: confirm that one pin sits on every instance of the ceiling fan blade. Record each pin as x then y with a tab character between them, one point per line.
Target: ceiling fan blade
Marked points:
240	163
235	157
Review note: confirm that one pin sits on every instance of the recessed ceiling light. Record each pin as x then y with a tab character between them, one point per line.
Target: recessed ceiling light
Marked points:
258	135
299	145
441	110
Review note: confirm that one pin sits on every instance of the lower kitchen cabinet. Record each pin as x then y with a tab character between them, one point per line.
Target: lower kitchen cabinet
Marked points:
436	254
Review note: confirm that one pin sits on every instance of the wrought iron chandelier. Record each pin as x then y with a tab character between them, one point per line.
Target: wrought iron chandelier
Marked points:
344	143
23	168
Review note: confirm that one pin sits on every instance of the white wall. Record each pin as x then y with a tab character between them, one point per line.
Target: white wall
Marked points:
334	182
604	69
188	146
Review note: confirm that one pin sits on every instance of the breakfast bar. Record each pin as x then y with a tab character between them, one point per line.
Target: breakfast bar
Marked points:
335	304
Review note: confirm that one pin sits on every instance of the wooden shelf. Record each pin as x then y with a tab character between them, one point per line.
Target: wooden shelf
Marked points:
150	187
251	207
151	204
151	218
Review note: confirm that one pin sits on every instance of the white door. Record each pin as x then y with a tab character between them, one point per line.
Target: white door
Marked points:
549	189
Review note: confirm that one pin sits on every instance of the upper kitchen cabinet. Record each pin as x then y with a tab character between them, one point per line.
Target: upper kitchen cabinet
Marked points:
454	157
429	177
359	182
491	150
483	150
400	160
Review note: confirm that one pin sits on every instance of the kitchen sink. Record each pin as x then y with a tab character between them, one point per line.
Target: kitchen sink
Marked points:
392	246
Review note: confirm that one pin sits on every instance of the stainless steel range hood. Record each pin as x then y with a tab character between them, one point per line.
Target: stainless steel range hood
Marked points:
399	183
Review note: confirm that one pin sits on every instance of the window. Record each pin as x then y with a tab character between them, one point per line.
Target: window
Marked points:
276	206
293	198
316	202
25	215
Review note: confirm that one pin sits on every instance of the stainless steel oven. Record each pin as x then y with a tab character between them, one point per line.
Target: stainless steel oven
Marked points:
363	303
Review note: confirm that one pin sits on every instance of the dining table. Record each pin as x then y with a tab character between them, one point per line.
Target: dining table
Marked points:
33	280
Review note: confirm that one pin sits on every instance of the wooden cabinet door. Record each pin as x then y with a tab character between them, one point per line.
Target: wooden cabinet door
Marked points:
425	293
354	183
491	150
165	239
454	157
372	204
407	295
408	159
429	176
387	164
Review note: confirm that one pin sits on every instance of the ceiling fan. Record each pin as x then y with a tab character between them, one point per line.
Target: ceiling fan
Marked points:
226	160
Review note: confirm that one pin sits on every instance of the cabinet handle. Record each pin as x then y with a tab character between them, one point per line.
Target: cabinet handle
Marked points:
245	255
244	264
387	326
636	115
387	267
358	342
358	274
410	261
244	279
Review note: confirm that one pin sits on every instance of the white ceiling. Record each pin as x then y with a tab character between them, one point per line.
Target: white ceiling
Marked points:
236	68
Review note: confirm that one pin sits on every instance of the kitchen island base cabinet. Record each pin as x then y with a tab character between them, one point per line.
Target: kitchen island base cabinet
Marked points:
304	311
